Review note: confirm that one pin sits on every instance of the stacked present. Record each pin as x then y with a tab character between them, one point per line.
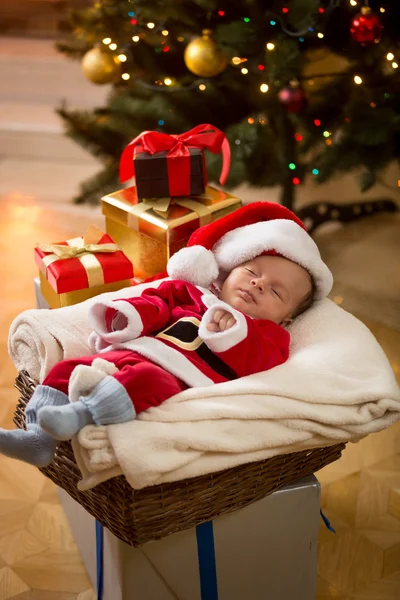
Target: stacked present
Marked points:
145	223
170	200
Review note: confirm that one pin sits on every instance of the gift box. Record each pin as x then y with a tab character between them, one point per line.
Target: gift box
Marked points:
150	232
265	550
80	268
173	165
152	175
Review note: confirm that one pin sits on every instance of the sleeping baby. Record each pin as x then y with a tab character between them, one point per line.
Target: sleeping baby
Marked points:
224	314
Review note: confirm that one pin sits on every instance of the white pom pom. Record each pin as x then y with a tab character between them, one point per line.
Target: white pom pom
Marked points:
195	264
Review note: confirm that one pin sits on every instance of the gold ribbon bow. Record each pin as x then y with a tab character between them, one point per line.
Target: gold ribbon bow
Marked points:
161	205
63	252
83	248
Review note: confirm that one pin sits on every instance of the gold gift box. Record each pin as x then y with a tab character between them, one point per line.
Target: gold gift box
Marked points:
55	300
149	232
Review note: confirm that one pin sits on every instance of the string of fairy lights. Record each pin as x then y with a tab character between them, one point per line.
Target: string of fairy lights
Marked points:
168	83
244	65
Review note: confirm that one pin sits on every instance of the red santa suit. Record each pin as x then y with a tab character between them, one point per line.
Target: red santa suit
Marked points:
160	343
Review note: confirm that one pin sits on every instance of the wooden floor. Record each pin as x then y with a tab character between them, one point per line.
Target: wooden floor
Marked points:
38	557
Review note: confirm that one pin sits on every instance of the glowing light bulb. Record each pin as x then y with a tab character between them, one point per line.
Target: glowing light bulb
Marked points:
353	2
113	46
357	79
135	38
394	65
107	41
264	88
236	60
168	81
382	10
125	76
122	57
151	25
245	71
320	35
202	87
165	32
270	46
390	56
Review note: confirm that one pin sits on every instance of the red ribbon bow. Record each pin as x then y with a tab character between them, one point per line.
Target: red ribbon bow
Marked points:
202	136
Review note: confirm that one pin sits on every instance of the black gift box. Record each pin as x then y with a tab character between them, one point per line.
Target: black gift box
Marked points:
151	174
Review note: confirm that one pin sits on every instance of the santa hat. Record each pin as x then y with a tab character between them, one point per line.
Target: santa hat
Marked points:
252	230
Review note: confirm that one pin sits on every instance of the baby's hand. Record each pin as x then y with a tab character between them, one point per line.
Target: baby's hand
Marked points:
222	320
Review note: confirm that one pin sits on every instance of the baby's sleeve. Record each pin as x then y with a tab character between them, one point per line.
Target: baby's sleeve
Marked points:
250	346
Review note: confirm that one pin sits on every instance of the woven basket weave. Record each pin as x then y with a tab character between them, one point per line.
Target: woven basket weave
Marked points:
140	516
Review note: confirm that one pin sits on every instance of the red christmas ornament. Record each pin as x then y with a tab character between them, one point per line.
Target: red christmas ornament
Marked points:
293	98
366	27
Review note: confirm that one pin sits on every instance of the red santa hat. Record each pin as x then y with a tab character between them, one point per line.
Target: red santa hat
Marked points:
255	229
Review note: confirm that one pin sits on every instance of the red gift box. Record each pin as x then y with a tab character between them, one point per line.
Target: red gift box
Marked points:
91	264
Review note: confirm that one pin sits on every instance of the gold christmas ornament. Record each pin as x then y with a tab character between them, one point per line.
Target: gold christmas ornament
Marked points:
202	56
100	67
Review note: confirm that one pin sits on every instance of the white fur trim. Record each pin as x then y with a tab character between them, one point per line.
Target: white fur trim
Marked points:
105	366
220	341
96	318
84	377
285	237
208	298
170	359
194	264
96	343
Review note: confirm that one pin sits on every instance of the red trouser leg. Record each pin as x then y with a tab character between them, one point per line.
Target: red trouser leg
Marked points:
146	383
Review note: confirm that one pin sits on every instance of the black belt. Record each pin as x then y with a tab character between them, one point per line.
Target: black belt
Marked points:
185	334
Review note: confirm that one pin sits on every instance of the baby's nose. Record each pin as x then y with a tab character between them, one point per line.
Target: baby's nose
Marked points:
258	284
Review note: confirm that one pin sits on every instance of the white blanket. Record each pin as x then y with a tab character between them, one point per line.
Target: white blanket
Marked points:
337	386
38	339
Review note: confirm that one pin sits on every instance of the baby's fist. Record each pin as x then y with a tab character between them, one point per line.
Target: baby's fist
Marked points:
221	321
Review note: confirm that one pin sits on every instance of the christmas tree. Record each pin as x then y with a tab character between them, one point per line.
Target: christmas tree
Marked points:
247	68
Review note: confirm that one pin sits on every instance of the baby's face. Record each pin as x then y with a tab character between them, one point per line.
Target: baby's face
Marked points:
267	287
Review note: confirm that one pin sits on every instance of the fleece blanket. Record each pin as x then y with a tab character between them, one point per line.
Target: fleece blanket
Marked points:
38	339
336	386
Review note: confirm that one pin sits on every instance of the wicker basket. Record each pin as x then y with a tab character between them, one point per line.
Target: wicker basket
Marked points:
140	516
